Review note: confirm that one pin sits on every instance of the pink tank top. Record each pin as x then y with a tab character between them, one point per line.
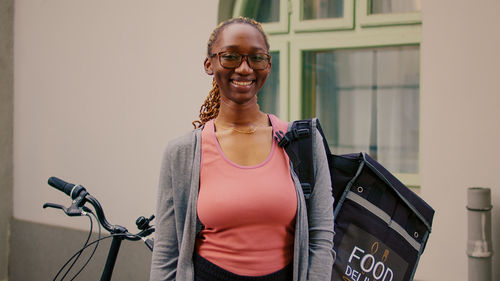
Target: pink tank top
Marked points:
248	212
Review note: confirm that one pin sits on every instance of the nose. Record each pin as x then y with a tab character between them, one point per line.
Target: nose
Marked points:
244	67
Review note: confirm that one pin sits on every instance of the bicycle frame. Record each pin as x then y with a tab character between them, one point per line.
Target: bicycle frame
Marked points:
111	260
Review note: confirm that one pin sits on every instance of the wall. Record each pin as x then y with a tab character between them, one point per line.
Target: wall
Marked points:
46	248
6	97
100	88
460	126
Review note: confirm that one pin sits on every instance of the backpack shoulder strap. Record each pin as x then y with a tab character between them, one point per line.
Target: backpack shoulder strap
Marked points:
297	143
325	143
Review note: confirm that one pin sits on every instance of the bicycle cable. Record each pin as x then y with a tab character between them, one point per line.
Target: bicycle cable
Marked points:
93	251
97	242
107	237
75	257
78	254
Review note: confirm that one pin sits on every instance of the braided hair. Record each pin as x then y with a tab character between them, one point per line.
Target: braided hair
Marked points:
210	107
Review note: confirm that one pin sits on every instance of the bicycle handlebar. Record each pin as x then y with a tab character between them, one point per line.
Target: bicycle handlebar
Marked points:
80	196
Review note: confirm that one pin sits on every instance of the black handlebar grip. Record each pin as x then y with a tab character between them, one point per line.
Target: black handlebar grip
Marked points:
61	185
70	189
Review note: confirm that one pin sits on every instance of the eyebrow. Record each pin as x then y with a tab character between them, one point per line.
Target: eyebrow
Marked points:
237	47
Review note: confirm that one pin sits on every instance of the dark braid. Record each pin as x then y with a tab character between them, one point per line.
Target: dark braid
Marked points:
210	108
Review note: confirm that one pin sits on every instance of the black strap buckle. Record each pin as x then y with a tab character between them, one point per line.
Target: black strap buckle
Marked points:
285	139
301	133
282	139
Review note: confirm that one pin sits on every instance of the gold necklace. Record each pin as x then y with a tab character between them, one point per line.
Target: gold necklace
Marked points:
251	131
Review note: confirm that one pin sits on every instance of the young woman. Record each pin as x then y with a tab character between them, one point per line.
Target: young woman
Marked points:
229	207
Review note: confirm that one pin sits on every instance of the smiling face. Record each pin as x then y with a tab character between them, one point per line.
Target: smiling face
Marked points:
241	84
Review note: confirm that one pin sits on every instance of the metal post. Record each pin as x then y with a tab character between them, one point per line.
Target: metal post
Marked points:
479	247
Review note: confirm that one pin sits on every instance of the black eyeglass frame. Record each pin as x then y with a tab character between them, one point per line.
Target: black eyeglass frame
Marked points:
243	57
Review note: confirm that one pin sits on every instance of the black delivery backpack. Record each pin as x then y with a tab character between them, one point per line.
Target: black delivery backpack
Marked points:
381	226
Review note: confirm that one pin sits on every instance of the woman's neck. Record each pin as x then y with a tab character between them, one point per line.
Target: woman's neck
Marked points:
240	115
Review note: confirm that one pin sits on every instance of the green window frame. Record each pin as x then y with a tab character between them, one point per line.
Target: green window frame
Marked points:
356	30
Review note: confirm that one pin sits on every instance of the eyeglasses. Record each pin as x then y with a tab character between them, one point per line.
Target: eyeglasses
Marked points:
233	60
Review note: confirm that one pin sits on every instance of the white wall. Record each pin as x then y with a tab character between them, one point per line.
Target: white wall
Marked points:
460	126
100	88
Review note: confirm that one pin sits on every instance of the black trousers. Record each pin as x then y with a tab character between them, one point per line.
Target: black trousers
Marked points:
207	271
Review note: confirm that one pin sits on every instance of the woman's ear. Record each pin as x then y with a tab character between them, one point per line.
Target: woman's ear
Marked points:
208	67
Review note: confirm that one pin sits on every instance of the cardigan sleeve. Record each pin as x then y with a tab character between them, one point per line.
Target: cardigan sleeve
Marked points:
320	217
165	251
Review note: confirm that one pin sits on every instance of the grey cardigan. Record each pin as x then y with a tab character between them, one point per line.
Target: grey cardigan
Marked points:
177	222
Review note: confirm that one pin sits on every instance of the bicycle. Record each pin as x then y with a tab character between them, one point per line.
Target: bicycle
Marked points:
80	197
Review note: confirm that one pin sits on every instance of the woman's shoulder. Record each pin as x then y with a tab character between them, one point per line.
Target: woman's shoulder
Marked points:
278	123
184	143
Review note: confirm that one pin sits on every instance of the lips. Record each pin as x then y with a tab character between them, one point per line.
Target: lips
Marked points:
242	83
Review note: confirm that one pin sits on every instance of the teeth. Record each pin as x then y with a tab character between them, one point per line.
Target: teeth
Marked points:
242	83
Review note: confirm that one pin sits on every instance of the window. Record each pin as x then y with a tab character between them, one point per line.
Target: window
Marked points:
325	9
393	6
264	11
268	98
360	77
368	100
272	13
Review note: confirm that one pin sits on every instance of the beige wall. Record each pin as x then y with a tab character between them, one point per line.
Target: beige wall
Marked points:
101	86
6	128
460	125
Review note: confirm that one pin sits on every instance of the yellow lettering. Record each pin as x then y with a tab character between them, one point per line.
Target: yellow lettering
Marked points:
374	248
386	254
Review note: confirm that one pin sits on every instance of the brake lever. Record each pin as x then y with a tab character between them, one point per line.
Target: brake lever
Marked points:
52	205
71	211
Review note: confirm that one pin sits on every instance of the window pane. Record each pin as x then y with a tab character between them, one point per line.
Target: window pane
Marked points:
367	100
394	6
262	10
268	97
322	9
